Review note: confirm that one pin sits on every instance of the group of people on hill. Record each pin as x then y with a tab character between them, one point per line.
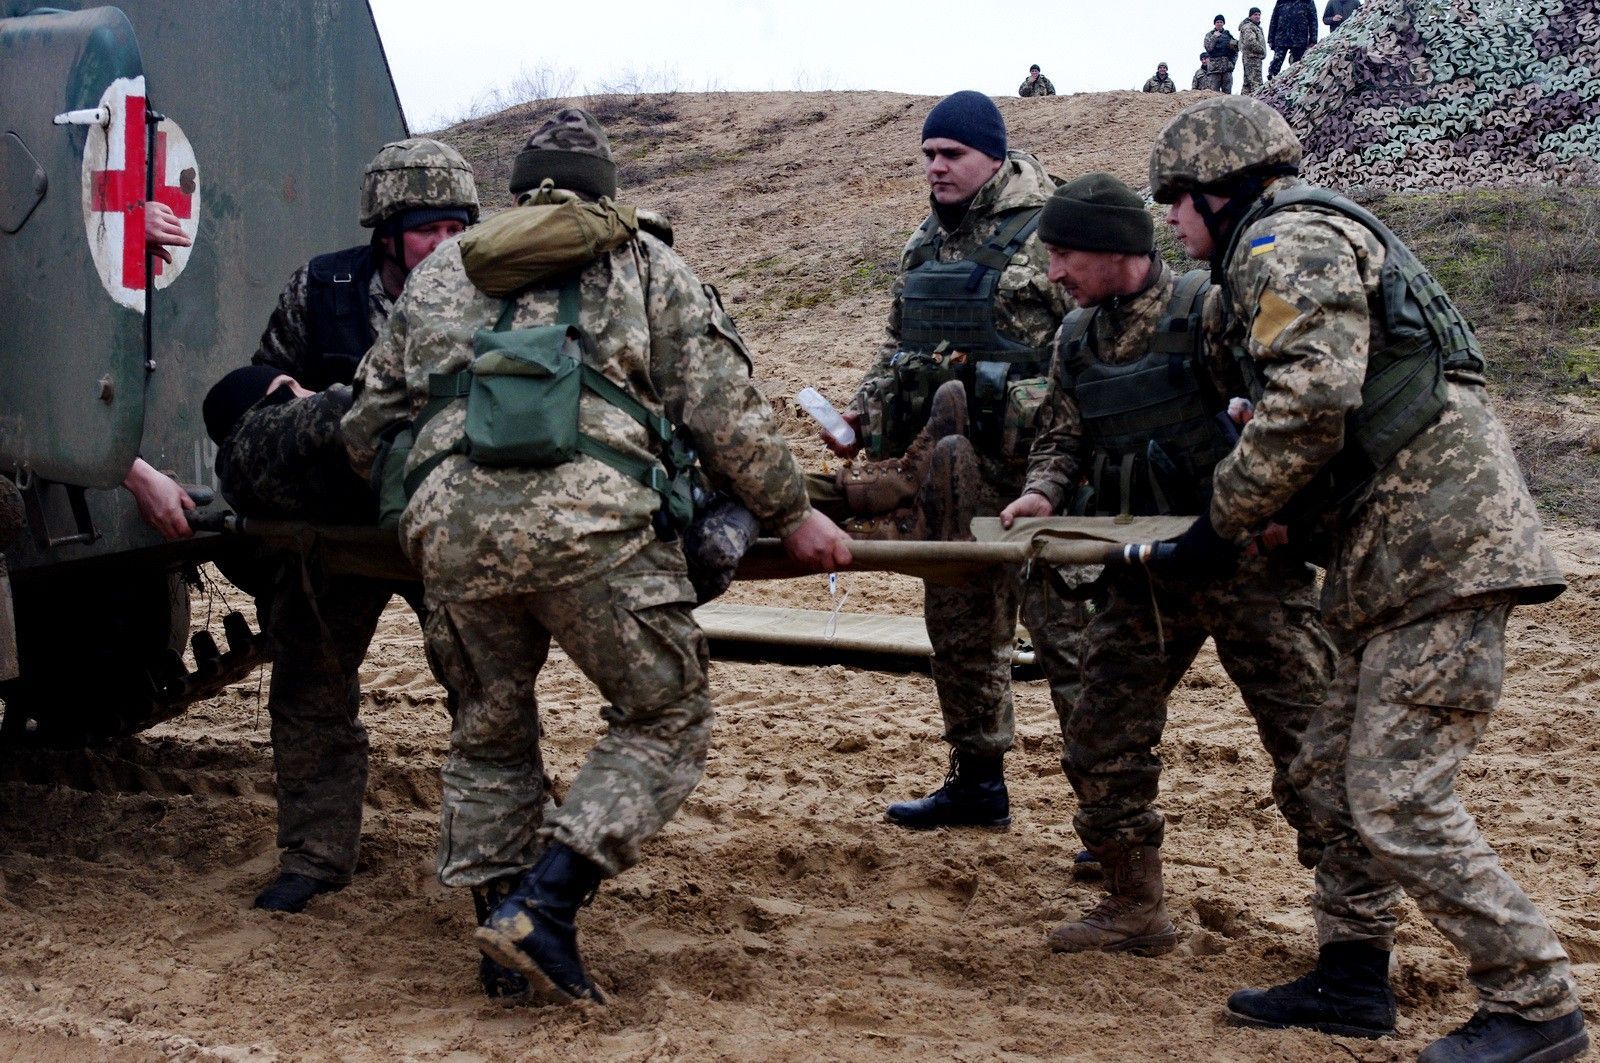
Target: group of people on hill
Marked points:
1290	32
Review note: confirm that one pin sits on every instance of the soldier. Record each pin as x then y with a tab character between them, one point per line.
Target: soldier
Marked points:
1036	84
1202	77
969	329
1373	436
1160	82
1221	49
1133	407
414	194
1292	30
513	555
1252	49
1338	12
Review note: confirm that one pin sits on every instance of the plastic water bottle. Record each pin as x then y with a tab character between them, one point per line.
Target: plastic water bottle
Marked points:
822	411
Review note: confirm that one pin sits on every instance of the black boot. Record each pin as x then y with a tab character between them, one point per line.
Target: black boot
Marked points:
973	795
290	892
534	929
1346	994
1500	1037
497	981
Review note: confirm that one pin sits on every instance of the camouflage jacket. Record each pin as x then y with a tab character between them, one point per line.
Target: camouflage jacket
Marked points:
1155	84
286	344
1028	307
1221	49
1252	42
1042	87
1121	334
1202	78
1449	518
286	460
476	531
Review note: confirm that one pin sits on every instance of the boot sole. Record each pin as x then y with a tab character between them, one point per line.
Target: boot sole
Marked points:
993	825
504	951
1334	1028
1571	1048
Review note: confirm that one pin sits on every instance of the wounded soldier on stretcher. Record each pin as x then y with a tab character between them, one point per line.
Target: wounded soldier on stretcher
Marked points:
280	456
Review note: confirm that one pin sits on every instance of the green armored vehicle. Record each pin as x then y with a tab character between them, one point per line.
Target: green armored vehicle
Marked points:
251	121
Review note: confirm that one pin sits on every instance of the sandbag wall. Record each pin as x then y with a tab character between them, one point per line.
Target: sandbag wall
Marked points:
1443	94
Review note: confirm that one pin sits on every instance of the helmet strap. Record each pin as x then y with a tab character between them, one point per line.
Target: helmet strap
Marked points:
1242	193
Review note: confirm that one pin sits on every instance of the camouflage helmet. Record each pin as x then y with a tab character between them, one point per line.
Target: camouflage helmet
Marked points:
416	173
1214	144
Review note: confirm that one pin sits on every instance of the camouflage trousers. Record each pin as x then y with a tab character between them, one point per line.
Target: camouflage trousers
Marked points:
973	626
1137	648
1219	78
633	634
320	629
1252	74
1378	766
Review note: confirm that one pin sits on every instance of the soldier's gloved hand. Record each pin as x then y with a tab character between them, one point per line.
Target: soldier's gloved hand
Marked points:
1198	555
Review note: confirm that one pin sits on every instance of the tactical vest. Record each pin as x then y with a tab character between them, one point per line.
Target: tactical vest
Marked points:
1405	387
337	322
1224	47
1151	426
948	332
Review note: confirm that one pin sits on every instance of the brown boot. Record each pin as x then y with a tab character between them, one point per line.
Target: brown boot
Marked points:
876	487
1133	915
903	525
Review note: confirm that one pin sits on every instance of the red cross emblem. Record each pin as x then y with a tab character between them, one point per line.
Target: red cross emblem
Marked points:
122	191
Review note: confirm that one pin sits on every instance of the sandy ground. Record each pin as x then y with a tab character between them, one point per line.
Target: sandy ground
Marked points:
777	917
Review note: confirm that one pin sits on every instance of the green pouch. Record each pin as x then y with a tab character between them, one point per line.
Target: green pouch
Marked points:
389	474
522	400
1023	399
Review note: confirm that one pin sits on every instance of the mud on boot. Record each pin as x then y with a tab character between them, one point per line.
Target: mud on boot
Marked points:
1501	1037
903	525
973	795
1347	994
1133	915
534	930
876	488
498	982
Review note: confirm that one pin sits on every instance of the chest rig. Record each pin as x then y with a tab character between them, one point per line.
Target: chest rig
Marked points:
1151	426
337	321
948	332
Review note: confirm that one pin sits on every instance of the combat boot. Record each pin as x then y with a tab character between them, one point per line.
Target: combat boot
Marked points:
1133	916
903	525
973	795
871	488
1500	1037
534	930
1347	993
497	981
291	892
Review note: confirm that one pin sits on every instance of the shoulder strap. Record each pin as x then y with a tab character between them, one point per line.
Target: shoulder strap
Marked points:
1178	332
1072	345
1007	239
926	249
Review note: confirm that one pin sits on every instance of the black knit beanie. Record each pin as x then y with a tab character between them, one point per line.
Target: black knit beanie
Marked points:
232	396
971	118
1097	212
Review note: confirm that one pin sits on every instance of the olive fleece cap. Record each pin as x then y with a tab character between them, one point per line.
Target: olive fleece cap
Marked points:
1097	212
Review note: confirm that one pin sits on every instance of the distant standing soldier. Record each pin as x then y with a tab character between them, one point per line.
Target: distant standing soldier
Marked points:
1134	409
1338	12
415	194
1252	50
1292	30
1160	82
1202	77
1372	435
513	556
968	342
1036	84
1222	48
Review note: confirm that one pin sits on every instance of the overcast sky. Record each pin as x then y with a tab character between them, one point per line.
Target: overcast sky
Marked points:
929	48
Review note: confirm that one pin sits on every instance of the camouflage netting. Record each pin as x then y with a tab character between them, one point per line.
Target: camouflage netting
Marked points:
1445	94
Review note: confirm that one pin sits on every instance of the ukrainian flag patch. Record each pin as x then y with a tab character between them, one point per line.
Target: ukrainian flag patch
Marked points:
1262	245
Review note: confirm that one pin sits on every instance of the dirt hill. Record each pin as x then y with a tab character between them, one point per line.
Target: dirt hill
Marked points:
778	917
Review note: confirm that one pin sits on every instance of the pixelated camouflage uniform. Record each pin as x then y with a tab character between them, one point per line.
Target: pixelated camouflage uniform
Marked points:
514	556
1042	87
1157	83
1220	60
973	628
1141	642
1421	573
285	459
1202	77
1252	53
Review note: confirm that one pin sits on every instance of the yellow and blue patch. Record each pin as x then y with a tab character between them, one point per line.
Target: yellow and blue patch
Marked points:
1262	245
